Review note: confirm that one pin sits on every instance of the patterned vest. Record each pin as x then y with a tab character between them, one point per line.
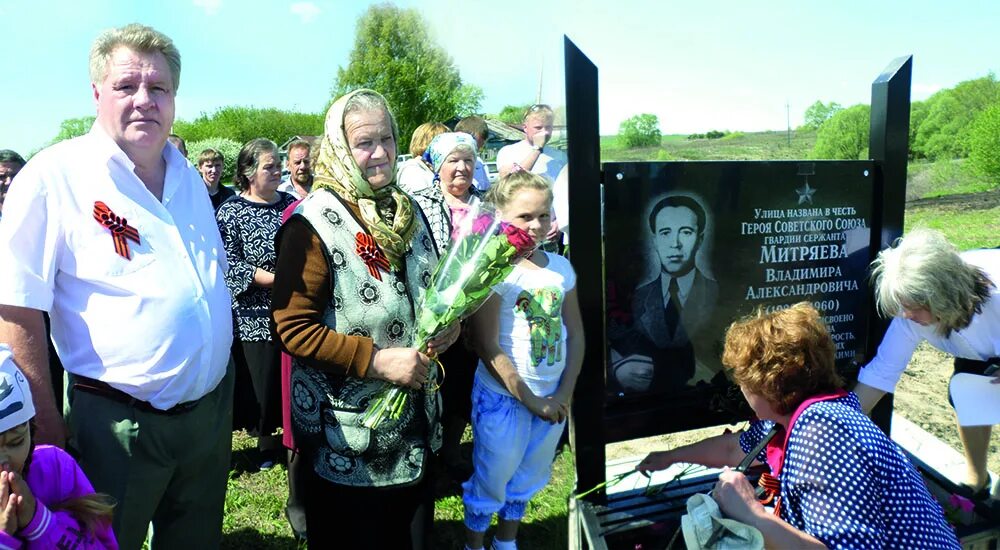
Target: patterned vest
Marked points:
327	408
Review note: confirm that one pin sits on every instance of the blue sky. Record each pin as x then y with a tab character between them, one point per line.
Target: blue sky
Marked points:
696	65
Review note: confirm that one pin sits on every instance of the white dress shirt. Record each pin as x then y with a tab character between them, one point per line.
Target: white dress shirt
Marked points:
158	326
288	187
979	341
684	284
550	160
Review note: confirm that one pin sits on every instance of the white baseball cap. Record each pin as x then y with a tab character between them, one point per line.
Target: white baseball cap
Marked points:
16	406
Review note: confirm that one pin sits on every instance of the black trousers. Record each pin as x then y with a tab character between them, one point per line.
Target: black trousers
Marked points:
456	390
362	518
257	395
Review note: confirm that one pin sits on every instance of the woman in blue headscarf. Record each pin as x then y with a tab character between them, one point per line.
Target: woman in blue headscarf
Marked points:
452	156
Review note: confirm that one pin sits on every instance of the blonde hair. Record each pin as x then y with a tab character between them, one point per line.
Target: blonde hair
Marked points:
786	356
423	135
924	270
503	191
539	109
93	510
139	38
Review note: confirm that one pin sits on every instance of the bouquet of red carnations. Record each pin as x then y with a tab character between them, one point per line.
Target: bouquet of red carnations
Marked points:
483	252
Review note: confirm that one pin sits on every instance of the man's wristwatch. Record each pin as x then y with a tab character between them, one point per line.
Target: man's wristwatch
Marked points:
537	147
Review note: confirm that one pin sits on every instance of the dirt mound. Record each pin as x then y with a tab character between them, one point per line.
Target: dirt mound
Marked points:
963	201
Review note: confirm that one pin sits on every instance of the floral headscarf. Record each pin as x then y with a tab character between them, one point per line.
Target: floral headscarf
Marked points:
443	144
386	212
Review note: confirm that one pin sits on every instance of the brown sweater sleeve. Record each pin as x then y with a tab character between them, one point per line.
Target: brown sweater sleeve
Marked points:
299	298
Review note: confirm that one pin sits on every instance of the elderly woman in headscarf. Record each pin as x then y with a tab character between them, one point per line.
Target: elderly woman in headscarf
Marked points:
452	157
353	261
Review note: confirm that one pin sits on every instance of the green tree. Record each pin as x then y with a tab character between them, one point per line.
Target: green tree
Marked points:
229	148
984	144
944	131
918	114
640	131
513	114
845	135
73	127
242	124
395	55
820	112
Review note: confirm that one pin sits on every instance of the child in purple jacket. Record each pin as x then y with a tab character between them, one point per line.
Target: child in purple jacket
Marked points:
45	500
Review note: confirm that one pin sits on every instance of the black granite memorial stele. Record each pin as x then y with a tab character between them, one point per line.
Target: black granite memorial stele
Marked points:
668	254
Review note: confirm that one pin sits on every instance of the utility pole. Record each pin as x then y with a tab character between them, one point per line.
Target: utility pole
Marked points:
541	68
788	123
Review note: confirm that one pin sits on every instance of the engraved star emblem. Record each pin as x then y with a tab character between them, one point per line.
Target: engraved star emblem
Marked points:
805	194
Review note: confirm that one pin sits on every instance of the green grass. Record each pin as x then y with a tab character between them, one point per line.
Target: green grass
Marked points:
255	504
734	146
942	178
964	228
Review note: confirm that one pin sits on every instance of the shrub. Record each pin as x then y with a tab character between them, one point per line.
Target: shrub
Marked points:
944	131
845	135
640	131
984	144
243	124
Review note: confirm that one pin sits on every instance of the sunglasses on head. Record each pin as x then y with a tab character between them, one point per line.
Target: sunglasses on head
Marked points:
536	108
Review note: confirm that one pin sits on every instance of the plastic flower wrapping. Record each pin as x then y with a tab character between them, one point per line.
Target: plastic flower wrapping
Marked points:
483	252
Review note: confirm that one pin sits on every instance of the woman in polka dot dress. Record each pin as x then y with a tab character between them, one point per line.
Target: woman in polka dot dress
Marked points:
837	481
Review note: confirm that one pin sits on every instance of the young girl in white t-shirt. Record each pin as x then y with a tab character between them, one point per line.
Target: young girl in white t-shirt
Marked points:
529	337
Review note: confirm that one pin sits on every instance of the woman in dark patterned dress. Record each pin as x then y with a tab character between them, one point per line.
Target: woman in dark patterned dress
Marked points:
353	262
248	223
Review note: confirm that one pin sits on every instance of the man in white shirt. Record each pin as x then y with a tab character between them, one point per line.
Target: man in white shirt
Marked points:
530	154
299	165
114	236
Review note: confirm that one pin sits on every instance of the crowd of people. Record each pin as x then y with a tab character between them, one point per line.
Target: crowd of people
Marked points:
182	309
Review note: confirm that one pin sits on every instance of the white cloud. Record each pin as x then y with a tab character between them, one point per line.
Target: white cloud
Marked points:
306	11
210	7
923	91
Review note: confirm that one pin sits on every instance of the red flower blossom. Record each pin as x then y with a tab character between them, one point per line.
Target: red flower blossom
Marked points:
519	239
